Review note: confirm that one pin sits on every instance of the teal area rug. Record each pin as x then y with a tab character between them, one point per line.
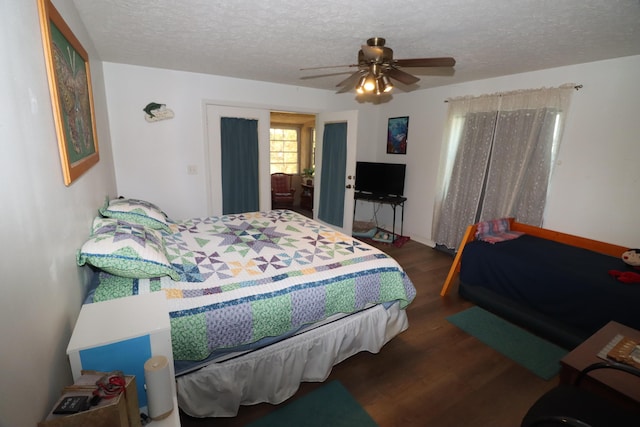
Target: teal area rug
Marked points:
329	405
534	353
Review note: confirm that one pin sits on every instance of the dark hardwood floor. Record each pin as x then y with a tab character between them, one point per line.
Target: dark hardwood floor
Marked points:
433	374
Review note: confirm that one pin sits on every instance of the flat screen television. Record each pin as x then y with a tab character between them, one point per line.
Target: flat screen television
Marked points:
383	179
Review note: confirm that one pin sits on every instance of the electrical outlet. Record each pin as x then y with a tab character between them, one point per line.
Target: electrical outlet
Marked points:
192	170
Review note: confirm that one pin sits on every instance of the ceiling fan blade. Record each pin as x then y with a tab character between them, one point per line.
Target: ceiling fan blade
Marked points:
433	71
348	83
328	66
402	76
317	76
425	62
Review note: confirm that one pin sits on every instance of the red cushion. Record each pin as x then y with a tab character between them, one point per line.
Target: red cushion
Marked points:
280	184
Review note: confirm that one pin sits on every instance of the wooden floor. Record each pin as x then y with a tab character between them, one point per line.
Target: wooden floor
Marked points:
433	374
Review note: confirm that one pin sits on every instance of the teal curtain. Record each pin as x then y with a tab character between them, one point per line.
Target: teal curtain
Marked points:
334	166
239	140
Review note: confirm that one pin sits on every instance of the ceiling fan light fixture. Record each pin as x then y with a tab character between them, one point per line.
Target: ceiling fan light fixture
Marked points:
360	85
386	84
380	86
369	83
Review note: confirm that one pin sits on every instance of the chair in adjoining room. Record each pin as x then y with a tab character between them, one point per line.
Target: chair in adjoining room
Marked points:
282	191
576	405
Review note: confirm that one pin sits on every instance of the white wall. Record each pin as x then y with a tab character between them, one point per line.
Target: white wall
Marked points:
594	188
43	221
152	159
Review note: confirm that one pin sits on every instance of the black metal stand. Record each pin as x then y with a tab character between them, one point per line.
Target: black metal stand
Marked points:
394	201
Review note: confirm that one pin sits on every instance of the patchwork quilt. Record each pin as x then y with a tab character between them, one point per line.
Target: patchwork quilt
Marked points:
256	275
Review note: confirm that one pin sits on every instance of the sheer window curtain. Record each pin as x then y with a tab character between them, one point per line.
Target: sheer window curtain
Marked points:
498	157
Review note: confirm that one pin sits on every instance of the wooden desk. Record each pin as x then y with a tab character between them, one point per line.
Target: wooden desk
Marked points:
606	381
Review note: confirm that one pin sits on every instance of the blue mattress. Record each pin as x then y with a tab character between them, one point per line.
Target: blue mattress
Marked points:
559	288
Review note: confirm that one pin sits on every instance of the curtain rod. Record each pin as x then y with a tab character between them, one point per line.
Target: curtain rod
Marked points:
576	87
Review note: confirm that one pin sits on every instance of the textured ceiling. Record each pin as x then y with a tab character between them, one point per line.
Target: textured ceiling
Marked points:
270	40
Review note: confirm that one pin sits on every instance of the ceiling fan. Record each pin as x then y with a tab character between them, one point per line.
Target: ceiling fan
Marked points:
377	68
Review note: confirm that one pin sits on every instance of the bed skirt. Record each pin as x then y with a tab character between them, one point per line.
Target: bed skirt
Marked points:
274	373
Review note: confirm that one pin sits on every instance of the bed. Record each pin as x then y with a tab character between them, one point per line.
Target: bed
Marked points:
555	284
258	302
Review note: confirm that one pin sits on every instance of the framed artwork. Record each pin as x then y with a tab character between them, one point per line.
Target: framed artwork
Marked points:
397	135
71	94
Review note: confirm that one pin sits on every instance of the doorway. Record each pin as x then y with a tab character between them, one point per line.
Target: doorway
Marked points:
309	159
295	154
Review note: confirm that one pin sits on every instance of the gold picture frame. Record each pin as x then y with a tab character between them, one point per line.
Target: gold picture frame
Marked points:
71	95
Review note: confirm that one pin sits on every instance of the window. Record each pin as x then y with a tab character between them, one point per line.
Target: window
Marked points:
284	143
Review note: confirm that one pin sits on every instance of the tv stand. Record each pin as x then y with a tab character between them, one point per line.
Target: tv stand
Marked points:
393	201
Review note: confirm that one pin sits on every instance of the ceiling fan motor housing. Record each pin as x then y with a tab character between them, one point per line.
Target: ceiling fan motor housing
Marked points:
376	54
376	41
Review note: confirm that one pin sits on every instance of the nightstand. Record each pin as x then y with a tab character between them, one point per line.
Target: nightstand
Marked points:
122	334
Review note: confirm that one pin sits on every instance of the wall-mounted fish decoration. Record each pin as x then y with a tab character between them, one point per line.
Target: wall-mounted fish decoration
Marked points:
155	111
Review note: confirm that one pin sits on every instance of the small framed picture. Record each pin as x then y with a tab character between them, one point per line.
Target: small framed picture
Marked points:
397	135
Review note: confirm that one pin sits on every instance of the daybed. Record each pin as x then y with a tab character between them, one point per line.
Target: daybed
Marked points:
554	284
258	302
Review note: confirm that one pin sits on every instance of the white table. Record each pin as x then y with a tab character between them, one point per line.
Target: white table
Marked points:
122	334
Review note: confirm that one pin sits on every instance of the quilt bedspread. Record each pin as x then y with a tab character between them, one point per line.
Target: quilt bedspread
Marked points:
251	276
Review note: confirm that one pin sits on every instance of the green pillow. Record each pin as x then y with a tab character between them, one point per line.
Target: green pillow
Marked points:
127	250
136	212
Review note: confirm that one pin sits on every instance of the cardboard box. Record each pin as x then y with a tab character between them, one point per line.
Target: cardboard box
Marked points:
119	411
87	381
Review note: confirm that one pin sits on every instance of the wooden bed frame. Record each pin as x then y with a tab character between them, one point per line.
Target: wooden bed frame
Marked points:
569	239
